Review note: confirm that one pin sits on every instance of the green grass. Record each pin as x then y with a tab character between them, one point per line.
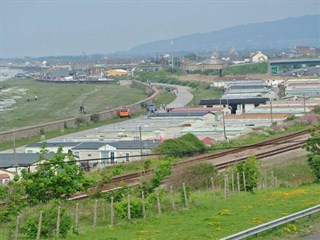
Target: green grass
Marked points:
60	101
165	98
57	133
253	68
294	172
204	219
204	93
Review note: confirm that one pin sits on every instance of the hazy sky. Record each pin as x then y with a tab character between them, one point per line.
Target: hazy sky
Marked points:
56	27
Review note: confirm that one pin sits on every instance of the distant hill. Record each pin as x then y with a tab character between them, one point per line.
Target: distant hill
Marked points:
280	34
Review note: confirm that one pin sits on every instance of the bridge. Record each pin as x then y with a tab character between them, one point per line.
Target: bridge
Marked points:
282	62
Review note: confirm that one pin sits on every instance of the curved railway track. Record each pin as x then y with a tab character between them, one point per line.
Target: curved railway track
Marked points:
133	178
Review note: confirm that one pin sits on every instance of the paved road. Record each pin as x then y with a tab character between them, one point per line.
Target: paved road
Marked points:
183	97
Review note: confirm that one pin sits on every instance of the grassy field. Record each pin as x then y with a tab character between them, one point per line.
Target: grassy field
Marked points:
205	218
59	101
208	219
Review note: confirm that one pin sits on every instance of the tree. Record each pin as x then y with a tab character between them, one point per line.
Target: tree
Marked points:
55	178
251	171
312	145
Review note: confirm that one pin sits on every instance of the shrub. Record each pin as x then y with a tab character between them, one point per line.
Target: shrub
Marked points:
80	121
49	223
95	117
121	208
182	146
251	172
312	145
197	176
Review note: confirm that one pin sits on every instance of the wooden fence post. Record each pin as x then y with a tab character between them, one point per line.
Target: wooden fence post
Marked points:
185	195
39	226
226	187
111	212
143	205
103	207
95	214
213	189
16	234
129	209
58	222
232	179
158	202
244	182
272	179
238	182
77	218
172	199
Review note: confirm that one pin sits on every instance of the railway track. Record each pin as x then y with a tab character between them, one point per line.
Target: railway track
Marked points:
133	178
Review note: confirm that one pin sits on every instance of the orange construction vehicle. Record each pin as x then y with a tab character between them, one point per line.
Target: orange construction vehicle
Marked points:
124	112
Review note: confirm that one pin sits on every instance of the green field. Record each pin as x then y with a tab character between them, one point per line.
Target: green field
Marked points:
208	219
205	218
59	101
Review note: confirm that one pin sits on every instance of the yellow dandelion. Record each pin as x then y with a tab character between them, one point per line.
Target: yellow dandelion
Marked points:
293	227
225	212
287	230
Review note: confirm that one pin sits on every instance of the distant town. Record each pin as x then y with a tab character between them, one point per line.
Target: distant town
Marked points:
105	69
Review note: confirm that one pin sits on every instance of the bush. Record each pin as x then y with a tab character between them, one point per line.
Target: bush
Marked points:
251	172
197	176
312	145
95	117
163	169
49	223
182	146
121	208
80	121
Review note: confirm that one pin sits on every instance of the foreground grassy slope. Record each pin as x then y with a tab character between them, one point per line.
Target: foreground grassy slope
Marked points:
208	219
59	101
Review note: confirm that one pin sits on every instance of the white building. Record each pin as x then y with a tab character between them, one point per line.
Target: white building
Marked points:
259	57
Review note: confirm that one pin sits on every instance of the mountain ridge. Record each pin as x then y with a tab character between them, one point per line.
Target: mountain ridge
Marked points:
279	34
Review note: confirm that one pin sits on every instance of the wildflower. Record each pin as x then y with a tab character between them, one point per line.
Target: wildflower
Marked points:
215	224
143	231
286	229
293	227
225	212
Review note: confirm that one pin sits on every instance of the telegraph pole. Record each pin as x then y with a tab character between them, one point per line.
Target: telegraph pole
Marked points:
304	103
140	138
224	127
14	151
271	111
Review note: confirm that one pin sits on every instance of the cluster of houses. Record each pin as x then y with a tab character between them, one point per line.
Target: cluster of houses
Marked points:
90	154
246	105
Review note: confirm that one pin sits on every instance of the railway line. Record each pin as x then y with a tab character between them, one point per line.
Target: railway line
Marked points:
283	144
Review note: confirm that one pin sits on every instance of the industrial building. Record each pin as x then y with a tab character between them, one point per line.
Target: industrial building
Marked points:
309	88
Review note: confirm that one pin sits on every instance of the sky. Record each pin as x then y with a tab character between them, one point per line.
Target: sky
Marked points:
68	27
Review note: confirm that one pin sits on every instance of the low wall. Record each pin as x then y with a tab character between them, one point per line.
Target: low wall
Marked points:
152	92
